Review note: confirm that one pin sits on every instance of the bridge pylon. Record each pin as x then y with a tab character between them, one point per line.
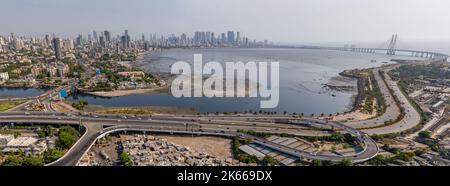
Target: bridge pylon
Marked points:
392	45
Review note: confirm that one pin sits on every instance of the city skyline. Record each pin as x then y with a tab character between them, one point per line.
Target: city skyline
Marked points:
303	21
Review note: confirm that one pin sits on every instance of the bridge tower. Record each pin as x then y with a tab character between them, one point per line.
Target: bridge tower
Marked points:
392	45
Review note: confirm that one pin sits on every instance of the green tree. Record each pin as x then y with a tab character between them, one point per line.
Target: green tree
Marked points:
126	160
316	163
346	162
17	134
405	156
12	161
32	161
67	136
425	134
269	161
52	155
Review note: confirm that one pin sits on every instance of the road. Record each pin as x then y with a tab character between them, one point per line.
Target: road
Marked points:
392	110
411	118
95	128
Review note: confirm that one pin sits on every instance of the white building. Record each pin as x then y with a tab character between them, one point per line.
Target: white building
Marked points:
4	76
22	142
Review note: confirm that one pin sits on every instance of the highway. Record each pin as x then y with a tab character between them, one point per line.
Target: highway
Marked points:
411	118
392	110
95	126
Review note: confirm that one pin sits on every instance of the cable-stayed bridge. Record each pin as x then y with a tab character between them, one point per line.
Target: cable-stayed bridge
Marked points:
391	50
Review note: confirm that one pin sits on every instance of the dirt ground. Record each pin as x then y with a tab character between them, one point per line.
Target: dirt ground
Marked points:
215	146
63	107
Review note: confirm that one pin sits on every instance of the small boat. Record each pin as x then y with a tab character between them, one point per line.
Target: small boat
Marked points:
333	95
373	61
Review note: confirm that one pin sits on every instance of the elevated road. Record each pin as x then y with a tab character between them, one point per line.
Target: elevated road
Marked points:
402	52
95	128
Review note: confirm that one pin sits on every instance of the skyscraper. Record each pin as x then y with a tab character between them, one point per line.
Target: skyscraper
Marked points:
197	37
127	39
94	33
57	47
230	37
102	41
68	44
107	35
208	37
223	38
48	41
203	37
123	40
79	40
238	37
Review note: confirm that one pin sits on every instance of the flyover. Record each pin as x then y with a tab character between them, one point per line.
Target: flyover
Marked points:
95	128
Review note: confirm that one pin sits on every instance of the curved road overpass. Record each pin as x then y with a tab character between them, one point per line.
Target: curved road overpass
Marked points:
95	128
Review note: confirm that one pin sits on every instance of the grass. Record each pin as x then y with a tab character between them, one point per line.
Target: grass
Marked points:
8	105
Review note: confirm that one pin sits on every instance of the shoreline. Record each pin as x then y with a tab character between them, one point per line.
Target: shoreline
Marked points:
119	93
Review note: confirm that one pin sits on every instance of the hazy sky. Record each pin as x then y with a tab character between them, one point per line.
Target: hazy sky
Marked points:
275	20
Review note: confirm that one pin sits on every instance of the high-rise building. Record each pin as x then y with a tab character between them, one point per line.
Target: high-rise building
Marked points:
208	37
57	47
17	43
102	41
230	37
224	38
127	40
68	44
238	37
146	47
203	37
79	40
94	33
48	41
143	38
197	37
107	35
123	40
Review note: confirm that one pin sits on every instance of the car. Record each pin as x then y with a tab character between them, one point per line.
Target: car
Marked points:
139	118
124	117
